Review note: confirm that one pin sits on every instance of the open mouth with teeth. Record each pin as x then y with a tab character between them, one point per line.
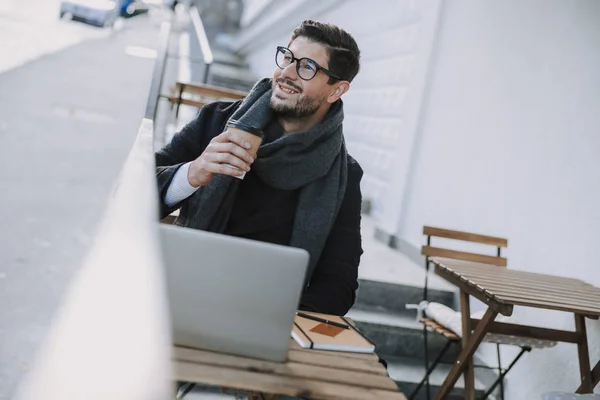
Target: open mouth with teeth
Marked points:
287	90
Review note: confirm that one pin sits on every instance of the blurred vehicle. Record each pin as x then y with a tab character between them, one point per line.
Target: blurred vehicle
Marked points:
97	12
129	8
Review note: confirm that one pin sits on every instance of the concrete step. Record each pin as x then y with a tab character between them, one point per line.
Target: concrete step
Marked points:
222	56
239	78
231	82
399	335
408	372
393	297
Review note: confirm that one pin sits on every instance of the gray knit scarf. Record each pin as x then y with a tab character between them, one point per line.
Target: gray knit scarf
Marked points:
313	161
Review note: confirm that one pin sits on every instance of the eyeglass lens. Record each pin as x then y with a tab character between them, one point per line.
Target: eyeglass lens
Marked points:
306	68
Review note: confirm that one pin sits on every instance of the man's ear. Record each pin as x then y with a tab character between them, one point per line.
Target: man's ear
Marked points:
340	88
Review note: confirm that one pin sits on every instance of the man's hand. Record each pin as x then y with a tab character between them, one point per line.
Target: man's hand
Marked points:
226	151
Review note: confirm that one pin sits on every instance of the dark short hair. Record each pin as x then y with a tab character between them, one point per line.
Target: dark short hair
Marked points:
341	47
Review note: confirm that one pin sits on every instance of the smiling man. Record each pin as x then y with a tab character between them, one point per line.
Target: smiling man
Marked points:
302	189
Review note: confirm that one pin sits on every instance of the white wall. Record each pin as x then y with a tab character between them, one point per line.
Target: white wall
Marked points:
382	106
253	9
497	130
509	144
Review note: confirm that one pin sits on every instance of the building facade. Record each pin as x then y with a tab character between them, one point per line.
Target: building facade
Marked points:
481	116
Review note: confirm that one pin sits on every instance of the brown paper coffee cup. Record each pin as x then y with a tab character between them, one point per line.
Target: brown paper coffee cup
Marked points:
253	135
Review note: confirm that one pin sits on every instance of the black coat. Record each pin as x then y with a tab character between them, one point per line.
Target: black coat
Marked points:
335	279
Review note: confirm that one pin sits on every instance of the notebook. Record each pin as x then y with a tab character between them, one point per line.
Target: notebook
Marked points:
311	334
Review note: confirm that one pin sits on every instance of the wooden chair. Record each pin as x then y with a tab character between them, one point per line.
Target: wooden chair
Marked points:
200	94
429	324
429	251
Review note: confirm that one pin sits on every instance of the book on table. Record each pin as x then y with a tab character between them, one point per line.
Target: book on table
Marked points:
311	334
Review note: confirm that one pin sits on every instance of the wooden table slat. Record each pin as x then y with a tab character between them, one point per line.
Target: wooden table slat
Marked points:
339	362
482	295
544	304
537	294
513	276
483	269
276	384
291	369
506	295
487	271
552	293
511	284
358	356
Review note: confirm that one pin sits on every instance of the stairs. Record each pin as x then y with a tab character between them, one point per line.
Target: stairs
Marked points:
228	70
388	281
407	372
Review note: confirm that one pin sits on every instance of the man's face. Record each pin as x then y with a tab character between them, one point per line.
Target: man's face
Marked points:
294	97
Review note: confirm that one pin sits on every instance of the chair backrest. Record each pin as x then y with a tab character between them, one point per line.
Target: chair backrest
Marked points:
198	95
430	251
202	94
216	92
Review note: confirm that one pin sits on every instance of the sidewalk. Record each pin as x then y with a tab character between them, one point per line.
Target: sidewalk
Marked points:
67	122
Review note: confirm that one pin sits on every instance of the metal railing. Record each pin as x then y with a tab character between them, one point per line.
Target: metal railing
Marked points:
207	54
111	338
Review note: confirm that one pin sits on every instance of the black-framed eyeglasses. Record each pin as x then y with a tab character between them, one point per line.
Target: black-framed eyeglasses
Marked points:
305	67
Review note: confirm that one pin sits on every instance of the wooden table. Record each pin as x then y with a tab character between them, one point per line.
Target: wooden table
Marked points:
311	374
501	289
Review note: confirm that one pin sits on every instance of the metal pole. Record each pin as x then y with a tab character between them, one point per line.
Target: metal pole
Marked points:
159	71
206	69
425	333
503	374
426	271
429	370
500	368
203	40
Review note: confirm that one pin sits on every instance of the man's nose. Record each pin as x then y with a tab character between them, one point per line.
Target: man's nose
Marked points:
290	72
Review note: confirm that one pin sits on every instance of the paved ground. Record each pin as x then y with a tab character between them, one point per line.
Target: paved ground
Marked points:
67	121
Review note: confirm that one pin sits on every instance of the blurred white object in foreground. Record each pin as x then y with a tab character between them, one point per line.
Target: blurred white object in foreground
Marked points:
111	337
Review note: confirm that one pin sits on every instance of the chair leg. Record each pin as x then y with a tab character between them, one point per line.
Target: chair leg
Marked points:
426	344
506	371
425	341
184	390
429	370
179	99
500	369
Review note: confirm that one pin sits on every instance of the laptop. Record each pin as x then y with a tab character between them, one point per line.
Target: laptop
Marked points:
232	295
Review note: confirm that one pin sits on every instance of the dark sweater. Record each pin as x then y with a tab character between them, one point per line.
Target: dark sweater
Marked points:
262	212
265	213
